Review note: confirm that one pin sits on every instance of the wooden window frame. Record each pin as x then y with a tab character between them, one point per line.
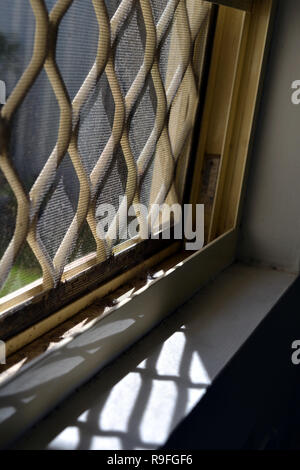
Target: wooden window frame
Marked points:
243	29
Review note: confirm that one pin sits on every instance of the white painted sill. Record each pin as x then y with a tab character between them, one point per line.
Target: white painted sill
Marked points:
44	382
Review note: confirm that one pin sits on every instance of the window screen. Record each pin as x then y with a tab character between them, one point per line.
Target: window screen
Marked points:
100	106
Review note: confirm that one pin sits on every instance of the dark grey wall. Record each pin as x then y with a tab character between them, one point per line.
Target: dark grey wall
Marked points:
271	217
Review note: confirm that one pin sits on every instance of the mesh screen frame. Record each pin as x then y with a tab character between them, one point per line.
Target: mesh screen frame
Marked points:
43	57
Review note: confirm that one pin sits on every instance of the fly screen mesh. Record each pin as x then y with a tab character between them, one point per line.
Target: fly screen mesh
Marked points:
99	109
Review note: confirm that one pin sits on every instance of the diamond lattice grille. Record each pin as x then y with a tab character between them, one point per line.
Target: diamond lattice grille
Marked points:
101	100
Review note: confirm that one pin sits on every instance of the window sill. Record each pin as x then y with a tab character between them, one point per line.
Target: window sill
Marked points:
31	388
138	400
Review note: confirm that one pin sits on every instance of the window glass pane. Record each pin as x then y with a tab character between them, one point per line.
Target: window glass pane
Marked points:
100	109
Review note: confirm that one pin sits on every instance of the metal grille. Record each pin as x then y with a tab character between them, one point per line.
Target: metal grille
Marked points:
105	109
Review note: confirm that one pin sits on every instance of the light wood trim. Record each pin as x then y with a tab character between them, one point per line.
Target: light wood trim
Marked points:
208	108
245	112
233	22
230	29
21	295
227	123
245	5
233	53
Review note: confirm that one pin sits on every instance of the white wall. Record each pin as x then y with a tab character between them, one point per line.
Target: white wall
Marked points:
271	218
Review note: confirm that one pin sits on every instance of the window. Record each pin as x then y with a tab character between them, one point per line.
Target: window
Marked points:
104	101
